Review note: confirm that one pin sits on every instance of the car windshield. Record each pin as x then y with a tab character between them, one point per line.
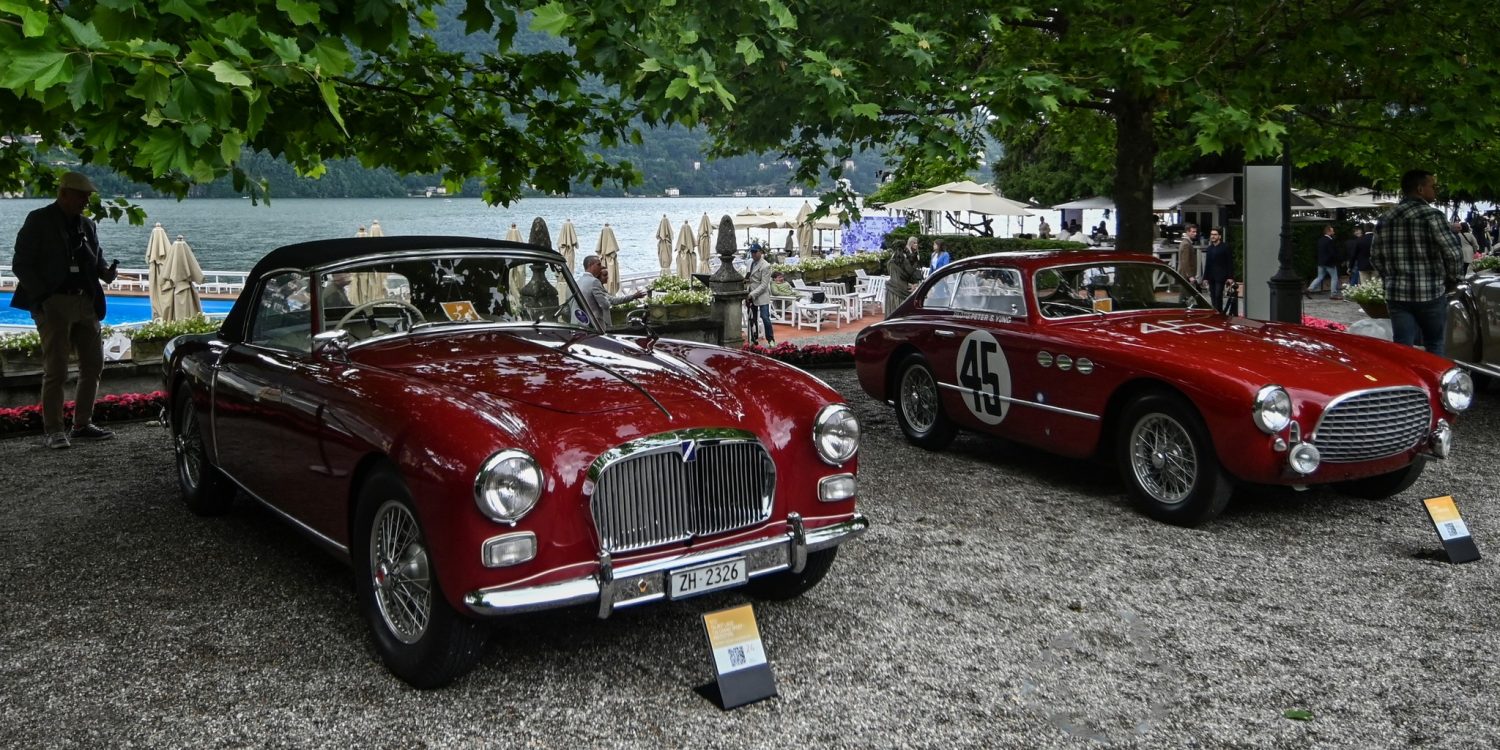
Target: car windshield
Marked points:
380	297
1103	288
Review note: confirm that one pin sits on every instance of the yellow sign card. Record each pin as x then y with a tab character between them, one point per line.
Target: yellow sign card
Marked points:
463	311
1444	513
734	638
1104	304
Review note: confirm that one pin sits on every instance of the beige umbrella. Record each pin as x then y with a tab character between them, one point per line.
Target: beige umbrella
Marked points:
361	231
664	244
687	255
805	230
375	230
514	235
567	244
964	195
609	252
705	242
181	271
156	262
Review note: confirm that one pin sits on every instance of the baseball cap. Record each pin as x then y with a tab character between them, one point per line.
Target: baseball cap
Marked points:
757	249
78	181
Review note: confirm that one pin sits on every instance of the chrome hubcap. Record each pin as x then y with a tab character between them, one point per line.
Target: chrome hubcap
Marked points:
1163	458
400	572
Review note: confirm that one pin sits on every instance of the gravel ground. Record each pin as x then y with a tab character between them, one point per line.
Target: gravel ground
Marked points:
1003	598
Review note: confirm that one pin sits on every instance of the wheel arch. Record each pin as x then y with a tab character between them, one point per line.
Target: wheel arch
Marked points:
893	368
1123	396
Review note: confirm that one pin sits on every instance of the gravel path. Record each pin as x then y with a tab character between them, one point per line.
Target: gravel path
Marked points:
1003	598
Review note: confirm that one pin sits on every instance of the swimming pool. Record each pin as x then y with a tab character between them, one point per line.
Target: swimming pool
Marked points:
117	310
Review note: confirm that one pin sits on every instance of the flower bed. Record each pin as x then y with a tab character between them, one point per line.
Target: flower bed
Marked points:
1330	325
812	355
121	408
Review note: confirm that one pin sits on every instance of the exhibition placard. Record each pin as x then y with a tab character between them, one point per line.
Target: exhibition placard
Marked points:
1451	529
744	675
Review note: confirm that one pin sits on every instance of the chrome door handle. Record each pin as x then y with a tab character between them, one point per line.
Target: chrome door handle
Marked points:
945	333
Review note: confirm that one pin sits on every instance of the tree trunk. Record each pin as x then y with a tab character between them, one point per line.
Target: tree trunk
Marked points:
1135	168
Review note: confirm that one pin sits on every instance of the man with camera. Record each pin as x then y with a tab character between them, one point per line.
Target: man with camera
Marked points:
59	264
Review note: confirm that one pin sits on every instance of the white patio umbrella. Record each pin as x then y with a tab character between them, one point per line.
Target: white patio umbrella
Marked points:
361	231
181	272
375	230
609	253
156	262
765	218
514	235
567	244
664	245
687	253
705	242
964	195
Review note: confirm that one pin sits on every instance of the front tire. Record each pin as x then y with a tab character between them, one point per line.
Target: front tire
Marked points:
1382	486
788	585
420	638
1168	462
205	489
919	406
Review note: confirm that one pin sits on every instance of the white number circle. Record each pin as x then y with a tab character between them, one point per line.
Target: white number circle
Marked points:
984	375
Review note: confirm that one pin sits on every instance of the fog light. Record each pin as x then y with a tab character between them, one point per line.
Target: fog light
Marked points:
1442	439
836	488
1304	458
509	549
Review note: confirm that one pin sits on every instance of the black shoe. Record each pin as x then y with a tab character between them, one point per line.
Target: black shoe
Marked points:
91	431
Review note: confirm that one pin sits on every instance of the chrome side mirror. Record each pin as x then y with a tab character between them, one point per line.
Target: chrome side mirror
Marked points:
333	344
639	319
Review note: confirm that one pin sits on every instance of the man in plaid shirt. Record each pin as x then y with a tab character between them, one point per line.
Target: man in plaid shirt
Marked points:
1419	258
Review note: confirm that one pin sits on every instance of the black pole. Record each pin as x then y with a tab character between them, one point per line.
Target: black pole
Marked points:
1286	285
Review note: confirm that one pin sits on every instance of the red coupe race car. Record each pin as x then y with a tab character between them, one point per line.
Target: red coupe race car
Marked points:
1113	354
443	413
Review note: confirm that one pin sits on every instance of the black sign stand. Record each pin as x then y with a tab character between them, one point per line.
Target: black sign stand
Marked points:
735	641
1451	529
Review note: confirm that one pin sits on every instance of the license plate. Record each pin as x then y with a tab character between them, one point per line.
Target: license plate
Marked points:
702	579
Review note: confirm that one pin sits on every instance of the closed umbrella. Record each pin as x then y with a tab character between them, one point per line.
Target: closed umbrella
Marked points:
361	231
687	255
181	272
664	244
375	230
609	253
805	230
514	235
705	242
367	286
567	244
156	263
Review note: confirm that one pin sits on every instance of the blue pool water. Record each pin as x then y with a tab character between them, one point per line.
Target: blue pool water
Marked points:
117	310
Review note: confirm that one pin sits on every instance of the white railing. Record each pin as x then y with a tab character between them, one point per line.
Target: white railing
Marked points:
139	280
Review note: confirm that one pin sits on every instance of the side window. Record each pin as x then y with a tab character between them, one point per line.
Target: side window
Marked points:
940	294
283	316
991	290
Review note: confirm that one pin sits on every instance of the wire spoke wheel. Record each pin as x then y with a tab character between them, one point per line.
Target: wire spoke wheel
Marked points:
189	445
401	575
919	399
1163	458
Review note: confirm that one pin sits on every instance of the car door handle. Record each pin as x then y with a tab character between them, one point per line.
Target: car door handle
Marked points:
945	333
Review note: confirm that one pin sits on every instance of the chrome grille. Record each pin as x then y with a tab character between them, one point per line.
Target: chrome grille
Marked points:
675	486
1368	425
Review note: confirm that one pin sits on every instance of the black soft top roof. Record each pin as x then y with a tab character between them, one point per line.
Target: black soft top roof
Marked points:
305	255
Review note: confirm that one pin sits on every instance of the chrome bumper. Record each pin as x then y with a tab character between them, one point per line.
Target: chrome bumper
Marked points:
613	588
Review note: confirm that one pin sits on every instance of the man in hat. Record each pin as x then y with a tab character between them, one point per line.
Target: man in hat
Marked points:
758	285
59	264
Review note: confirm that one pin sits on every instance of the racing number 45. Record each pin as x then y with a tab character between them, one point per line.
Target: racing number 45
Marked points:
976	375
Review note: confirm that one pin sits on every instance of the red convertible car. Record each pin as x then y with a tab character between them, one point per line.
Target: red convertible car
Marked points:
1112	354
444	414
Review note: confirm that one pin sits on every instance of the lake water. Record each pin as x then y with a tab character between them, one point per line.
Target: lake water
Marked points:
231	234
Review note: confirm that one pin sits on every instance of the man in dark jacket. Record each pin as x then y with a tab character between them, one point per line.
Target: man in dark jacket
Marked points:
1328	265
59	264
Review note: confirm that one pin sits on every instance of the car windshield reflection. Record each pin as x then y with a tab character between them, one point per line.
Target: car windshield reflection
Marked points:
1100	289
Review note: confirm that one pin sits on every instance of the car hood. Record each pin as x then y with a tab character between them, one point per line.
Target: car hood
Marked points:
559	370
1252	349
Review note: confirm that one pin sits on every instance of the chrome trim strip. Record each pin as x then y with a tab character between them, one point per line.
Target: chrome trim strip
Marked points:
317	536
590	589
1022	402
1480	367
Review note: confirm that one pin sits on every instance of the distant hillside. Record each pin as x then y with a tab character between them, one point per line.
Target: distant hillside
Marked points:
670	157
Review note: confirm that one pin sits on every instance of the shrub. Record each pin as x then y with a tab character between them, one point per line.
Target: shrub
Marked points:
1312	322
159	330
1369	290
812	355
121	408
1487	263
26	344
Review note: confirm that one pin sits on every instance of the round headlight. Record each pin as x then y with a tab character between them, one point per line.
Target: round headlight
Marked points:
1304	458
1457	389
508	486
1273	409
836	434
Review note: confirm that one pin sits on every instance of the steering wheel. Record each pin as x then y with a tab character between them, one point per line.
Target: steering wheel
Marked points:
366	307
1060	308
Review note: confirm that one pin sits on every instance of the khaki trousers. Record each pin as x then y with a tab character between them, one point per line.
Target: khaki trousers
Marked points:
66	322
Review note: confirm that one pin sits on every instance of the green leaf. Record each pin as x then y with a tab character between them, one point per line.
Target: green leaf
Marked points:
782	14
332	56
165	150
300	13
57	72
286	48
477	17
234	25
868	111
331	99
26	68
198	133
650	65
679	88
183	9
85	88
34	22
230	144
747	49
551	18
1298	714
225	72
83	33
903	27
